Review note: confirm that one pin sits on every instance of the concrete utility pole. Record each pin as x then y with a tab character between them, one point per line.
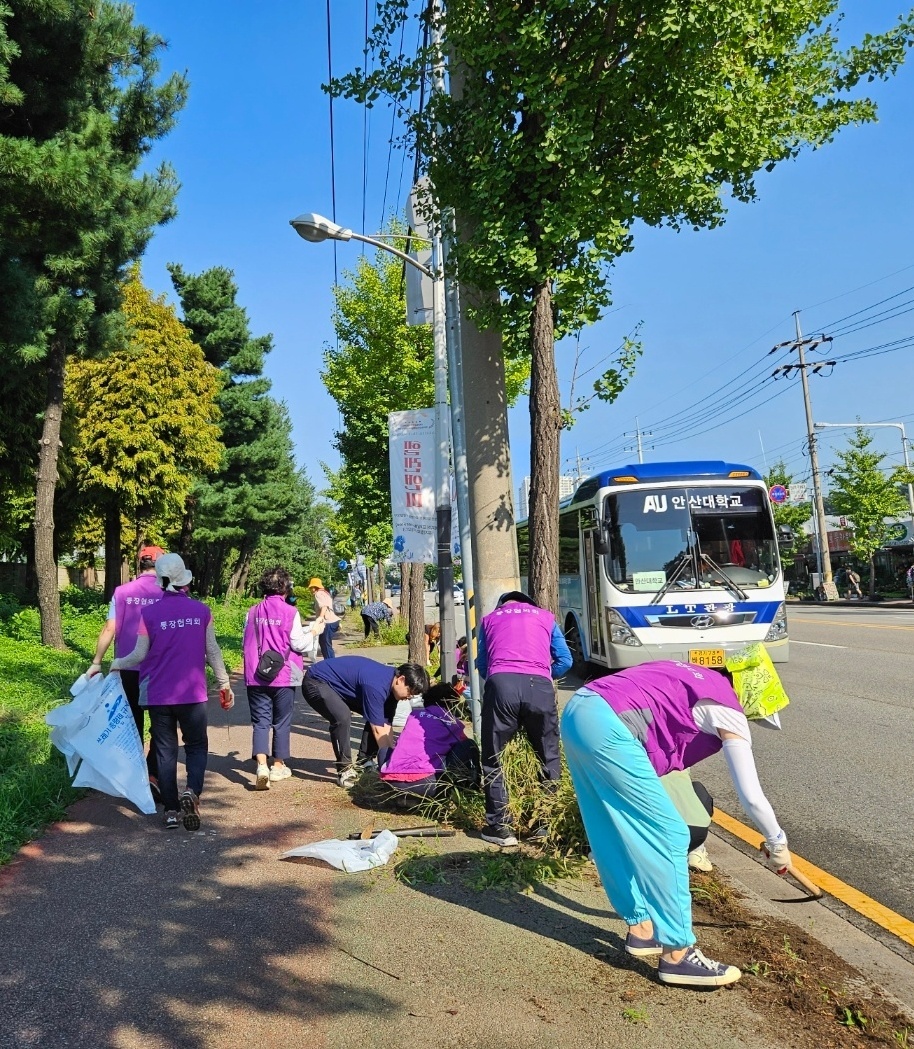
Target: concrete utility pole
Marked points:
801	345
638	434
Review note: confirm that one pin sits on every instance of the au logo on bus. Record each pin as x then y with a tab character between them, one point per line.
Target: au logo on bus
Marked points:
655	504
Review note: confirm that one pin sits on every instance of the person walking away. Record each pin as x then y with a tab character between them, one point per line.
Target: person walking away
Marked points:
355	684
520	651
432	748
273	626
621	733
121	626
853	584
374	614
326	617
175	640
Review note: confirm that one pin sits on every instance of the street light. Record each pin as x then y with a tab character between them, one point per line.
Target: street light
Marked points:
904	449
316	228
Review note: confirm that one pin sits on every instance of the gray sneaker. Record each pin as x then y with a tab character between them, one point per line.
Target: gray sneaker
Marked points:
695	970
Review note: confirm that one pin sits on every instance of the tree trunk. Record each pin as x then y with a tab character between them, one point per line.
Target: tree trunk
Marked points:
872	587
49	450
405	587
112	545
545	428
382	588
240	571
416	614
187	528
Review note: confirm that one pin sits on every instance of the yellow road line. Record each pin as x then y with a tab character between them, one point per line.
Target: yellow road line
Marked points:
854	898
851	626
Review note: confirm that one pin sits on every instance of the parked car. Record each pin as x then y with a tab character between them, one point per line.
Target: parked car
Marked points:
459	598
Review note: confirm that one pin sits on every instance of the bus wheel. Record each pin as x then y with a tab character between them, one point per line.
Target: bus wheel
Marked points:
573	638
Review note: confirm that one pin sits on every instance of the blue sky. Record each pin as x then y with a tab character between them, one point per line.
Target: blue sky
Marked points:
831	235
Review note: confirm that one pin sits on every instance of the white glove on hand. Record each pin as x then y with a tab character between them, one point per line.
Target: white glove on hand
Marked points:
777	857
95	668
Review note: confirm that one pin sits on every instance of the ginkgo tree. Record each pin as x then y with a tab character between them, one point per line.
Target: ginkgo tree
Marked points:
863	491
577	119
145	421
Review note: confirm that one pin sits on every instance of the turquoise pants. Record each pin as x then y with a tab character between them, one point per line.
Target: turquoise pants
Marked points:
639	840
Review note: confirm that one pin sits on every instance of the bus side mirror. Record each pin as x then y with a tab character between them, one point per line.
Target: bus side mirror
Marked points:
601	540
785	535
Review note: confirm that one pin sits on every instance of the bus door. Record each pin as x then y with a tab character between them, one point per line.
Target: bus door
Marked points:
593	601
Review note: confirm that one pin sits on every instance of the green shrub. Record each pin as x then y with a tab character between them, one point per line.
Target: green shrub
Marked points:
9	606
24	625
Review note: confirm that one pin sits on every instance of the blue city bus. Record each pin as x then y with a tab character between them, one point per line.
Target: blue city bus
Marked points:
668	561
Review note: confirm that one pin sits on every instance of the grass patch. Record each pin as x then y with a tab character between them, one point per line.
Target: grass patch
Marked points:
483	872
35	787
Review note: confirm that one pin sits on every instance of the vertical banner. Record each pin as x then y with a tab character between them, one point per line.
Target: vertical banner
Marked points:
412	485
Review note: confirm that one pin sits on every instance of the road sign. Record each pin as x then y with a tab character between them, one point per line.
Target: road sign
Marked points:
777	493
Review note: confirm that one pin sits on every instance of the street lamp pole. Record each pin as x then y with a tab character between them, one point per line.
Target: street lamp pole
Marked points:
904	450
315	228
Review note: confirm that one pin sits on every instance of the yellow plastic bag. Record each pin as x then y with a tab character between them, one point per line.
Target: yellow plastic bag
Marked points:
756	682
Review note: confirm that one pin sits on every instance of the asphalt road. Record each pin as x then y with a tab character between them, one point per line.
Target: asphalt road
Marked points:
840	774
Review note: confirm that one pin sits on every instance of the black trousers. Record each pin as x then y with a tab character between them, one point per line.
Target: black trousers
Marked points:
510	703
191	718
326	701
371	626
130	679
699	835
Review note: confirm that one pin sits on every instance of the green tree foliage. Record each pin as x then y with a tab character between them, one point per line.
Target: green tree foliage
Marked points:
790	515
861	491
257	493
82	106
146	423
381	365
575	119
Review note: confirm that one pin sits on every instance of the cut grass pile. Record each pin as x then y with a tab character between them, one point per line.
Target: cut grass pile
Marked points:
34	785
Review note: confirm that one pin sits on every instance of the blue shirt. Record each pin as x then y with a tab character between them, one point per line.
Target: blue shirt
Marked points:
363	684
377	611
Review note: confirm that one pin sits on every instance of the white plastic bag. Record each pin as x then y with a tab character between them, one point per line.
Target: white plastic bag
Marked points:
350	856
99	738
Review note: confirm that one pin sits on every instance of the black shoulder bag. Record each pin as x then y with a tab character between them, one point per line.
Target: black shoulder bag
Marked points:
269	661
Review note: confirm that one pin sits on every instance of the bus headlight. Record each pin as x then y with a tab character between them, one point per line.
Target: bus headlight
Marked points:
619	631
778	629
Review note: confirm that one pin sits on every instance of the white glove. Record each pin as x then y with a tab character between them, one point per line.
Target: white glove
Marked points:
777	857
95	668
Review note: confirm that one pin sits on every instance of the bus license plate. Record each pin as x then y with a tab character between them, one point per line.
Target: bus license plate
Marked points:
708	657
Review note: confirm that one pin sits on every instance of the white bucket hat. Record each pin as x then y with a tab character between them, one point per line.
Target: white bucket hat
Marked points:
171	571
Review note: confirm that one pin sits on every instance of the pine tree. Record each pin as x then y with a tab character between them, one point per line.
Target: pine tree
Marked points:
255	492
82	109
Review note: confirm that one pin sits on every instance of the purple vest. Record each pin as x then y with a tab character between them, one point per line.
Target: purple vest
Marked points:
129	601
271	621
428	736
519	640
655	702
175	669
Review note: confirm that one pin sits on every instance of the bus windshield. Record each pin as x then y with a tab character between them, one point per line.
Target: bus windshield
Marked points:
689	538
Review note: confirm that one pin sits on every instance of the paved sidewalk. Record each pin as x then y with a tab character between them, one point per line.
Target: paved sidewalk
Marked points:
119	935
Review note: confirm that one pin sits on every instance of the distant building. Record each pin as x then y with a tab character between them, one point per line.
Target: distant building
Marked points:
567	486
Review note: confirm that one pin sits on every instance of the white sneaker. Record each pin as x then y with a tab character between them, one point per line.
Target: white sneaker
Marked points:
699	860
348	778
263	778
278	772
